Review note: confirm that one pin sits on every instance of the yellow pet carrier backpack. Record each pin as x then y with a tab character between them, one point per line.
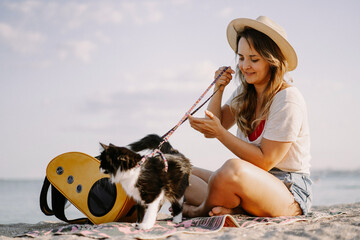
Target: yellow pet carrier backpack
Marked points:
75	177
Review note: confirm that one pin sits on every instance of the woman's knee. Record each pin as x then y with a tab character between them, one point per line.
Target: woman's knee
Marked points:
201	173
233	171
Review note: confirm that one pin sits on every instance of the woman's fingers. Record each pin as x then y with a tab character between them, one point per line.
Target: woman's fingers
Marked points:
206	126
209	114
225	78
194	120
228	71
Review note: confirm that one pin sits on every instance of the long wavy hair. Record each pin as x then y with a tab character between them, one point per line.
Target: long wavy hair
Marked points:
244	105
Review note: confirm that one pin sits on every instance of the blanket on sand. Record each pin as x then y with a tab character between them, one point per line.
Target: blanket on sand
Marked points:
164	228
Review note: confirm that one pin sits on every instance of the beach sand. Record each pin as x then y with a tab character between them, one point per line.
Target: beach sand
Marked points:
342	226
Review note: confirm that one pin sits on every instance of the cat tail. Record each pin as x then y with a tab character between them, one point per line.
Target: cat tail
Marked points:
152	141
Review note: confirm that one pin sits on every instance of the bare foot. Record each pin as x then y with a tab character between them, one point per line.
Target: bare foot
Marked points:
217	211
194	211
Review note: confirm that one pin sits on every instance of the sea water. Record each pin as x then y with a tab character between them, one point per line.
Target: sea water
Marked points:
19	199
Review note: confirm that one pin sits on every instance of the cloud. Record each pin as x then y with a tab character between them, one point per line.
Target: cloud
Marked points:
162	97
77	14
163	92
67	20
154	14
103	38
180	78
225	12
141	13
180	2
21	40
81	50
25	7
108	14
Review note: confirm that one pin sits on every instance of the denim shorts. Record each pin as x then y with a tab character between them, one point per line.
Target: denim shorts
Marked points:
299	184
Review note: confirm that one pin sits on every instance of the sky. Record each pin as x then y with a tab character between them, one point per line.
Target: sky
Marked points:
76	73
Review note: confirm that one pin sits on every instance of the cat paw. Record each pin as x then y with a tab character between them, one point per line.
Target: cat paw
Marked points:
144	226
134	225
177	219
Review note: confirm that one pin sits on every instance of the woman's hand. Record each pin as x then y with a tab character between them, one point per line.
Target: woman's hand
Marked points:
225	78
211	127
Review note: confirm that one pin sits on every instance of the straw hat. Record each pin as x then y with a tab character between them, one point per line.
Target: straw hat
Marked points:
269	28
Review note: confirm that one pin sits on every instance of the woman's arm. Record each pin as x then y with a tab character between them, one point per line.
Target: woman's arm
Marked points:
266	156
223	113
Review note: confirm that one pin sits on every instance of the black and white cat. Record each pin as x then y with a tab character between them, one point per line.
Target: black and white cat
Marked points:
149	184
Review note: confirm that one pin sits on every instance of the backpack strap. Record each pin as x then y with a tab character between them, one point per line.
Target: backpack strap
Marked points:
43	198
58	202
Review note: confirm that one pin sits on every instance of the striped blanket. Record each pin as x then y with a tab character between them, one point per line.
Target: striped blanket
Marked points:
165	228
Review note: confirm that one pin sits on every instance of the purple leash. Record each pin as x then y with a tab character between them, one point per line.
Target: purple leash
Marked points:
167	135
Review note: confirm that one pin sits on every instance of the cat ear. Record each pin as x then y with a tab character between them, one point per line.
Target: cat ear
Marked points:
111	145
105	147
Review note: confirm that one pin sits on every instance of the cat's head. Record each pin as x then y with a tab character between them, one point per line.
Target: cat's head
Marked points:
114	159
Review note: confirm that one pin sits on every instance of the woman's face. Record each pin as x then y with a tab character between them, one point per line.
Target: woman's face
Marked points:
253	66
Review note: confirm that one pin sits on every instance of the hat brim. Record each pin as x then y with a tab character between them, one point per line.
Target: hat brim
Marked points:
236	26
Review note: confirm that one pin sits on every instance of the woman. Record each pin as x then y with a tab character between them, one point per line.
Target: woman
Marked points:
270	176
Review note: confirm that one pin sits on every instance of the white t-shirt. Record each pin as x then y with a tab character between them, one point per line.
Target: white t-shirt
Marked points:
287	122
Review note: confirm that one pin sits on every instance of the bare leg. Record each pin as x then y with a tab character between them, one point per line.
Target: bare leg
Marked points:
195	194
238	182
204	174
217	211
